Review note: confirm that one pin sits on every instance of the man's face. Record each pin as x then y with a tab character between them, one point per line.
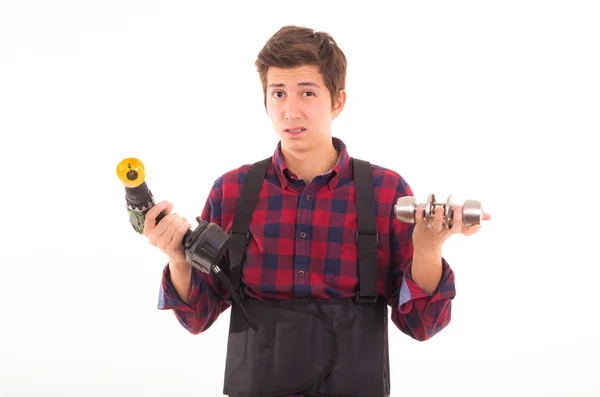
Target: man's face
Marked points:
299	105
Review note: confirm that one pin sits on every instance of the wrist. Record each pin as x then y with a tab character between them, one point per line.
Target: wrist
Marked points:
425	252
427	268
176	266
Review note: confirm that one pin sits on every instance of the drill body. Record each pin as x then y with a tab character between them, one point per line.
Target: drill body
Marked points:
139	201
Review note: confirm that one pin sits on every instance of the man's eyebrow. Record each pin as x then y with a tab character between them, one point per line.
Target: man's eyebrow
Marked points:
301	84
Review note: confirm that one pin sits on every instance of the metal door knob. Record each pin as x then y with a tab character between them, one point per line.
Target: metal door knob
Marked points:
406	208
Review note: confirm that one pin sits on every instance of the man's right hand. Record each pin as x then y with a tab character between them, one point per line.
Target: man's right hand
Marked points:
168	233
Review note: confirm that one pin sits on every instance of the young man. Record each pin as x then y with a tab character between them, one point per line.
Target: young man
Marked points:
321	261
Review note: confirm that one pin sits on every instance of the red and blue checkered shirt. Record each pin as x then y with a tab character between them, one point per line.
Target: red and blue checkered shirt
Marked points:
302	243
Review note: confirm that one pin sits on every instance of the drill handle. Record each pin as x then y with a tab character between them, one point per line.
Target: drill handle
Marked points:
160	216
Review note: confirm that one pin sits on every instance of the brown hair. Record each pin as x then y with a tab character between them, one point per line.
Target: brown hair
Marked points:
294	46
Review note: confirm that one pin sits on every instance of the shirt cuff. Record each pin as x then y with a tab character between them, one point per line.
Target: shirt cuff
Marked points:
169	299
410	291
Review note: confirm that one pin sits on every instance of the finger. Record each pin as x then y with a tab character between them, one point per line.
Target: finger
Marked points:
166	237
457	223
486	216
162	226
469	231
150	219
438	219
157	235
179	232
424	222
420	222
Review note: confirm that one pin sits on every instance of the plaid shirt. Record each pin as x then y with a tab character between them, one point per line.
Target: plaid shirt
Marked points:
302	243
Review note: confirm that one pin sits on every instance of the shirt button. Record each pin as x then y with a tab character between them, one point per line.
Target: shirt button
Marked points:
303	235
301	273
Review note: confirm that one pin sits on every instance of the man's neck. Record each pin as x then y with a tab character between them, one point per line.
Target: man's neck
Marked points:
308	165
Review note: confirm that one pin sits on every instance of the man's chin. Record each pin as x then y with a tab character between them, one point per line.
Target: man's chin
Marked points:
296	145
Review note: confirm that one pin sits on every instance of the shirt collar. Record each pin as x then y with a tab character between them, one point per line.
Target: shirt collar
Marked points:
341	169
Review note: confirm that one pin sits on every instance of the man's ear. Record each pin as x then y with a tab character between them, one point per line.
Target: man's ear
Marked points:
338	106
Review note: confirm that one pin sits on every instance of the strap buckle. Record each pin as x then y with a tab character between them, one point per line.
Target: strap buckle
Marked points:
371	240
235	235
365	299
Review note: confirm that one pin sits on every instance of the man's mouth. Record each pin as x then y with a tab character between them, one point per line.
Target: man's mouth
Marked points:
296	130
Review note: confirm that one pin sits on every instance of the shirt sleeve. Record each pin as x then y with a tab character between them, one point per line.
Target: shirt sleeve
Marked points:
208	298
414	311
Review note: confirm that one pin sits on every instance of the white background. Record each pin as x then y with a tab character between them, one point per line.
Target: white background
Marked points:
493	101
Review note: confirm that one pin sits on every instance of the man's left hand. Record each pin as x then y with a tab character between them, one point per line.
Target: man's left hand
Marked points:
432	238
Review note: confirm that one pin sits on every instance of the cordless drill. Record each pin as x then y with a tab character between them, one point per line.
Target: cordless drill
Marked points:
204	247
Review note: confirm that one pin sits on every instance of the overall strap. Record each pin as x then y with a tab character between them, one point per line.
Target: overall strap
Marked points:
367	236
242	218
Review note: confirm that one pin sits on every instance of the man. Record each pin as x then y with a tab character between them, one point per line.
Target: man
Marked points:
322	263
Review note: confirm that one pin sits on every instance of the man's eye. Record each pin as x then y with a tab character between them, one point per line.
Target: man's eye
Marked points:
278	94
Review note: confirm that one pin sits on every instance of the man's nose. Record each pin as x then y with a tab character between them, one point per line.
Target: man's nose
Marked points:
291	108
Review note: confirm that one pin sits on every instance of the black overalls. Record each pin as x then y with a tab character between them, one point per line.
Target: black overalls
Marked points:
315	347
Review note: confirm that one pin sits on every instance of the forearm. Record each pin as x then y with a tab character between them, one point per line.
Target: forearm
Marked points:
197	299
427	269
423	313
424	281
181	278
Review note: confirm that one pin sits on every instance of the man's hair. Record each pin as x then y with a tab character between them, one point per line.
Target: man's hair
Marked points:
294	46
